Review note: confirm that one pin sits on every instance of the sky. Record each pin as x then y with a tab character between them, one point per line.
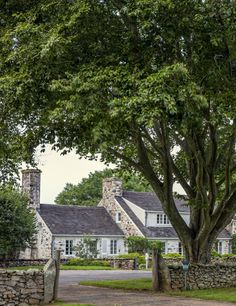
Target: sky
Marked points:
57	170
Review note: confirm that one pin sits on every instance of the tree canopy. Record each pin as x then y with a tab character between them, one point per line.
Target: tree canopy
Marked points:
89	191
17	223
150	85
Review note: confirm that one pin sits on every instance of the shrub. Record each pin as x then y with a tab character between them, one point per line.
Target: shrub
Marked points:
215	254
173	255
141	258
87	262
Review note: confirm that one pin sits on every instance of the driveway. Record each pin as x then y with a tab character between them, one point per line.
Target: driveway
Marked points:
71	291
76	276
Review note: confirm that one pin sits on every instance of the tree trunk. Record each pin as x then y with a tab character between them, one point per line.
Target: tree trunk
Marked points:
197	252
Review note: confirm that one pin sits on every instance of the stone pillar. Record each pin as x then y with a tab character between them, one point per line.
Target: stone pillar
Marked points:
31	186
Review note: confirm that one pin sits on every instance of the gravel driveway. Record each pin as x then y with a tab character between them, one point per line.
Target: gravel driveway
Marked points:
71	291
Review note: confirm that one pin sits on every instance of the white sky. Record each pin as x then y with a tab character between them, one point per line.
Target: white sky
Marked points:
57	170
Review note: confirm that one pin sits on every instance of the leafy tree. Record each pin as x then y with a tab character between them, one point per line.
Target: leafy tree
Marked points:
17	223
148	84
89	191
86	248
234	244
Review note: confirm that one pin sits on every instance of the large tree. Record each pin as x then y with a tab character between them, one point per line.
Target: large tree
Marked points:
148	84
89	191
17	223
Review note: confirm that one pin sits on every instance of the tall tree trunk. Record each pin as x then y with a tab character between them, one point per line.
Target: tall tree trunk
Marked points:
197	251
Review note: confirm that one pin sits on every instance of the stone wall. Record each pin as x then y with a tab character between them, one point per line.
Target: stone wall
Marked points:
204	276
32	287
21	287
124	263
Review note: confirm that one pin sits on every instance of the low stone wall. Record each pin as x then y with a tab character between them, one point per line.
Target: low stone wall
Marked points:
124	263
25	262
31	287
203	276
21	287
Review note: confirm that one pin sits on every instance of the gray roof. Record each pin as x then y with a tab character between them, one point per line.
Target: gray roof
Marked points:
149	201
77	220
149	232
154	232
224	234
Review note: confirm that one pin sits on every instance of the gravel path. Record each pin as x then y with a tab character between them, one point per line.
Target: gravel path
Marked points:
114	297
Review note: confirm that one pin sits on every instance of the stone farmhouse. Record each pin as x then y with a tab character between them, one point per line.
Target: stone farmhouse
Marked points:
119	214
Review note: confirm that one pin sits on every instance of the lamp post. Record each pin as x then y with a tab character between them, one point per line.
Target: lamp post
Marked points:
185	265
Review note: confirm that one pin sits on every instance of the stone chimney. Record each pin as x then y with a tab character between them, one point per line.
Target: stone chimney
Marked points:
112	187
31	186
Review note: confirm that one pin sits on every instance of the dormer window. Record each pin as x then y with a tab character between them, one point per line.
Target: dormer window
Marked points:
162	219
118	217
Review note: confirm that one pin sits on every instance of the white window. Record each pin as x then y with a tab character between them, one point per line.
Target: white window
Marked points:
118	217
113	247
219	247
69	247
162	219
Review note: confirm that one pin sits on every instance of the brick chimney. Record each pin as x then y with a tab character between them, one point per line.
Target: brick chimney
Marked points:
31	186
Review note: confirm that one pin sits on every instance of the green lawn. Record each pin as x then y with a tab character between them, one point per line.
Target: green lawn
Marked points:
64	267
129	284
218	294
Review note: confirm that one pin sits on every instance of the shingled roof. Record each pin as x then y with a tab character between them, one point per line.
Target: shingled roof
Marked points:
77	220
153	232
150	202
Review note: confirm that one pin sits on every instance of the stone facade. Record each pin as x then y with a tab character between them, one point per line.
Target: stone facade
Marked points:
204	276
112	187
21	287
31	186
44	241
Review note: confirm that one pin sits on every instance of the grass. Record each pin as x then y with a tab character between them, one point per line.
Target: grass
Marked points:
218	294
128	284
63	267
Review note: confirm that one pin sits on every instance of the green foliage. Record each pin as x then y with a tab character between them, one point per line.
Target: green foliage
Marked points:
17	223
107	78
234	244
142	245
87	262
215	254
141	258
86	248
225	256
89	191
173	256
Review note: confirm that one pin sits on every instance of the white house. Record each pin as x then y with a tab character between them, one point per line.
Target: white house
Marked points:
119	214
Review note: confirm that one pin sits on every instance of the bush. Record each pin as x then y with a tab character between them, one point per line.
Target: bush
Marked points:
87	262
141	258
228	255
215	254
173	256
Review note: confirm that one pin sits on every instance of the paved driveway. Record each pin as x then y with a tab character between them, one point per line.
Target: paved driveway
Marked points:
71	291
74	277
